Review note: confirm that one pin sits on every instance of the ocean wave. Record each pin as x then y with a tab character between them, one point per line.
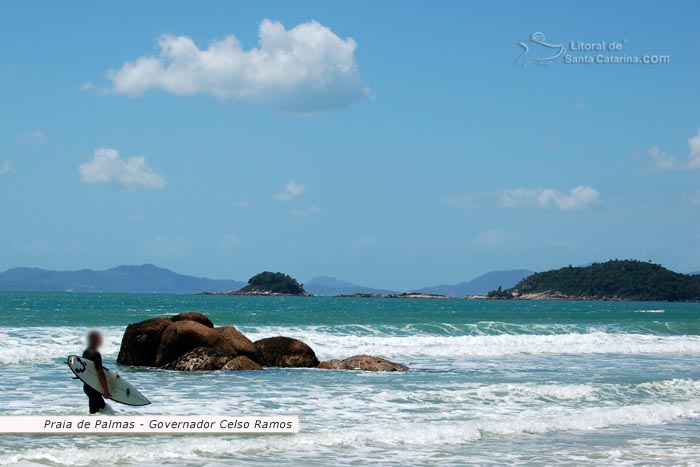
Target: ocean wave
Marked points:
481	328
40	345
46	344
372	440
516	395
425	346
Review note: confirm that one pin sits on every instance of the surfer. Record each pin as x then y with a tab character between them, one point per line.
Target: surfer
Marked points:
96	401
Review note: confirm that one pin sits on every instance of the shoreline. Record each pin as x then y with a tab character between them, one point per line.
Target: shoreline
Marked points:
547	296
528	297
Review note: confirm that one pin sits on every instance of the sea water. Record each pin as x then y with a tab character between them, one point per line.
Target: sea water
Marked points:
491	382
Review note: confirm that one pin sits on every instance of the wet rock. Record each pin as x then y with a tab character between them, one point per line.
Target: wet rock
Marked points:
241	363
285	352
364	363
193	316
331	365
240	342
140	342
200	359
182	336
159	341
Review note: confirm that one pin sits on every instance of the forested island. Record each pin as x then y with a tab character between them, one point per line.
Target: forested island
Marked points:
628	280
269	283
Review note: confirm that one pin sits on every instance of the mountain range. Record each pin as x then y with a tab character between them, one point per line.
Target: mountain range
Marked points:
330	286
145	278
148	278
480	285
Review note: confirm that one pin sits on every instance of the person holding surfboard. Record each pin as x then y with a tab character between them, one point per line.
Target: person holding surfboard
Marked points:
95	399
98	382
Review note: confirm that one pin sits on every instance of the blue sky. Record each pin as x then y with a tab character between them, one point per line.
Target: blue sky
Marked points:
393	144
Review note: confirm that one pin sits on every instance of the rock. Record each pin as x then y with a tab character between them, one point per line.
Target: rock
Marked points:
285	352
364	363
416	295
140	342
182	336
241	343
241	363
159	341
331	365
360	295
201	359
193	316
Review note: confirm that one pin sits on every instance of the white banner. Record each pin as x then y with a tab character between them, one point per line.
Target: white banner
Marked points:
147	424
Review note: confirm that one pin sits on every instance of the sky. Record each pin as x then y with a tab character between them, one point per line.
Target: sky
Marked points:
391	144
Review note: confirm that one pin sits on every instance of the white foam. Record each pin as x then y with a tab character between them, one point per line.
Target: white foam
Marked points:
378	441
328	345
46	344
37	345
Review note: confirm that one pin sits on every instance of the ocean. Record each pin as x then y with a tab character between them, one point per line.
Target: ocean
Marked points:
521	383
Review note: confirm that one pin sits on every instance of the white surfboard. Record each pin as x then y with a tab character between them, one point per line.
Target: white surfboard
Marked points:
120	390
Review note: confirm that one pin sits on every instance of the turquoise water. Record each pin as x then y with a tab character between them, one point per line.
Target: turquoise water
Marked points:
492	383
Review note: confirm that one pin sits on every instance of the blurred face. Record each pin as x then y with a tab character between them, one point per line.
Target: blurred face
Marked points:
96	340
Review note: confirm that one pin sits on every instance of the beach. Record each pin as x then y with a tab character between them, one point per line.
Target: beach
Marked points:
529	383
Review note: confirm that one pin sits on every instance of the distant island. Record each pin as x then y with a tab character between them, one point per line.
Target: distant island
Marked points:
624	280
394	295
269	284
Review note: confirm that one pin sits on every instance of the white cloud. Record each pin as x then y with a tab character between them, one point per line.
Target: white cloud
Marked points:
33	136
6	168
304	69
305	212
578	198
107	167
658	159
694	157
291	190
497	238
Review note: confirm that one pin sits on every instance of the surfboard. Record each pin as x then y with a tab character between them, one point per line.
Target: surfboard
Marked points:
120	390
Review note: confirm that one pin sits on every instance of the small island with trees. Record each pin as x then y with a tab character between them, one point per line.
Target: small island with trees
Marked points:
623	280
269	284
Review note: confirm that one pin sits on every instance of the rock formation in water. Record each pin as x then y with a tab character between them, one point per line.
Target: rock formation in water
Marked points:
285	352
362	362
200	359
189	341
